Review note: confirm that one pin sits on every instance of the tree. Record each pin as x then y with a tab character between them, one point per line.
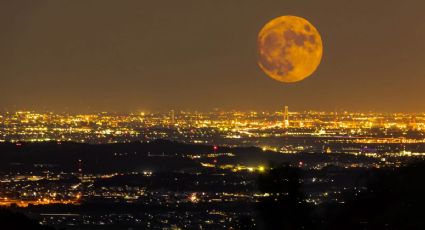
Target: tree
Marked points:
283	205
13	220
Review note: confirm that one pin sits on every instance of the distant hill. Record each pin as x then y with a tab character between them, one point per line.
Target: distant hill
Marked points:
160	155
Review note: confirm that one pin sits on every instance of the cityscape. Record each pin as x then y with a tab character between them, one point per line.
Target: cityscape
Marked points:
209	115
204	165
216	127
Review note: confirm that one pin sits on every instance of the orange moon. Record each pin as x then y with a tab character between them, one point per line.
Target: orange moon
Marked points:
289	49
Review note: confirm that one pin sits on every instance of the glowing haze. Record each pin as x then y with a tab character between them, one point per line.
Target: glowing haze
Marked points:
124	56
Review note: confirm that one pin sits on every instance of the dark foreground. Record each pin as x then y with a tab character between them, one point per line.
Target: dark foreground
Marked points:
167	185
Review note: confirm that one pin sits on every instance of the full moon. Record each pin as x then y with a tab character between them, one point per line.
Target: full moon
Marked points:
289	49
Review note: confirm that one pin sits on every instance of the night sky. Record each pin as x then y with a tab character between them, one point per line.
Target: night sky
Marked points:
124	56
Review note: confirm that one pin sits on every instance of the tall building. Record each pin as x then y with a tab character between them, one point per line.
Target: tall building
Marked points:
286	117
173	118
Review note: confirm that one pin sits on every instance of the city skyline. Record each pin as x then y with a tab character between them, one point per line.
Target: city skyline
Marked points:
211	110
218	127
131	56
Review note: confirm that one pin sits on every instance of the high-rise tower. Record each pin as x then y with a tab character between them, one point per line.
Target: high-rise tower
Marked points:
173	117
286	117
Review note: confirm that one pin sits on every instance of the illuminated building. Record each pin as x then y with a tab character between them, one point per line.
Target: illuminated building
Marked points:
286	117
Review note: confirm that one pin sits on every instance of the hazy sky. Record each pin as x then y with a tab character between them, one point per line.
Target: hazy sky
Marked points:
85	56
